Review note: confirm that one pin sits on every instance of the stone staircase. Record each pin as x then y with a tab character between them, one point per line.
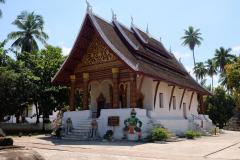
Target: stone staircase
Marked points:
81	131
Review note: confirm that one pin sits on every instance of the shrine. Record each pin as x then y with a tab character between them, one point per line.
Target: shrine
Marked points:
112	69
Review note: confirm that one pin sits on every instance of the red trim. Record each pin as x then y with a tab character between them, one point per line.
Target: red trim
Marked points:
182	98
170	101
155	95
190	103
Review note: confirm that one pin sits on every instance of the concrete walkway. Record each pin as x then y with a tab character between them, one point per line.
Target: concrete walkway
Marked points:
224	147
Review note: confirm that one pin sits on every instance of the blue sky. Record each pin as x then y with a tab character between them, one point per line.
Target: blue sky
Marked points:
218	21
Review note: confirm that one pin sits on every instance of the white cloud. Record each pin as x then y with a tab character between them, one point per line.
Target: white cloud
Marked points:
236	50
181	55
190	70
65	50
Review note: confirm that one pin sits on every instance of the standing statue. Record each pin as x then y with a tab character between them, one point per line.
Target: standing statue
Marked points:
132	129
68	126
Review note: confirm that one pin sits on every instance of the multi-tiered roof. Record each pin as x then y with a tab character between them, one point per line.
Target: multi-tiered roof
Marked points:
142	53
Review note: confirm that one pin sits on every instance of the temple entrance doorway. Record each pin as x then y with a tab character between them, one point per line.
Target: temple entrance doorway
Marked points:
101	101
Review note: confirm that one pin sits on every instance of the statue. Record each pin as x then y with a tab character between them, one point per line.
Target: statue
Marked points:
133	125
68	126
93	132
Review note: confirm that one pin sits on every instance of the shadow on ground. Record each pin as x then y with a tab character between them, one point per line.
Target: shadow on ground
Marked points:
58	141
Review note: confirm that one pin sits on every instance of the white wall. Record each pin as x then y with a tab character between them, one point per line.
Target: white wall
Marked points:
123	115
165	112
147	91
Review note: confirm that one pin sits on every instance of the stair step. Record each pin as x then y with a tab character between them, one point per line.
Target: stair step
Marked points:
82	127
77	135
75	138
79	132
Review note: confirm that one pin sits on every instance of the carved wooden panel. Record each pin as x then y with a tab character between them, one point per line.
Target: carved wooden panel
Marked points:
97	53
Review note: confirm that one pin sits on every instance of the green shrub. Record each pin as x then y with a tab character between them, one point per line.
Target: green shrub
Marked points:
198	134
192	134
108	135
159	134
5	141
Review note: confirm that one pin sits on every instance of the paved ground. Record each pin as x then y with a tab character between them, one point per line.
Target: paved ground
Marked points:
223	147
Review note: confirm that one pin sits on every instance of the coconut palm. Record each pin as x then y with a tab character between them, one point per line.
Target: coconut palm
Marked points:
191	39
211	69
222	57
199	70
1	1
31	28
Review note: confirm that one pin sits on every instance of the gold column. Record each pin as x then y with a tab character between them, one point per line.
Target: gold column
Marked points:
85	90
115	74
133	90
72	93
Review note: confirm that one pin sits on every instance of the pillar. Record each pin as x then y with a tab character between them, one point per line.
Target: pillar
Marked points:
72	93
85	90
201	105
115	76
133	90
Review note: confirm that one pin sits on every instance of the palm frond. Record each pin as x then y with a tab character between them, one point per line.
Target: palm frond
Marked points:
19	24
32	26
42	40
15	35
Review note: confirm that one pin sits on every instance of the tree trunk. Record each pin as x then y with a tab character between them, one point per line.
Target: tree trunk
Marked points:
212	83
194	62
37	113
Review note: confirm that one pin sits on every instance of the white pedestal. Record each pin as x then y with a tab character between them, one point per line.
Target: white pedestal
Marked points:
132	137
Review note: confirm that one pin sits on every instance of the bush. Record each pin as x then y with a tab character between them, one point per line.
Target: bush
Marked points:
4	141
159	134
108	135
198	134
192	134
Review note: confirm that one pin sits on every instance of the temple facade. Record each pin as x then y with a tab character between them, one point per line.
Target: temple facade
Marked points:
112	69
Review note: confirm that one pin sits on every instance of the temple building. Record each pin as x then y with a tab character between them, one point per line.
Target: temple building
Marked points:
112	69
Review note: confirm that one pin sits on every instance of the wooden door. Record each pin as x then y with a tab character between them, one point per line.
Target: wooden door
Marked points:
101	101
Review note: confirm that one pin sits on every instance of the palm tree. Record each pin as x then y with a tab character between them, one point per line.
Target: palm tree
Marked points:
222	57
31	28
211	69
191	39
199	70
1	1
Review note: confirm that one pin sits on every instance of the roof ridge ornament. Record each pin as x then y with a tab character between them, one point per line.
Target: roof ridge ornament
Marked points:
89	7
114	16
131	21
147	30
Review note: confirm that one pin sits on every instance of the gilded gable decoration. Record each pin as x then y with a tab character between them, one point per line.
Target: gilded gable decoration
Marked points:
97	53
